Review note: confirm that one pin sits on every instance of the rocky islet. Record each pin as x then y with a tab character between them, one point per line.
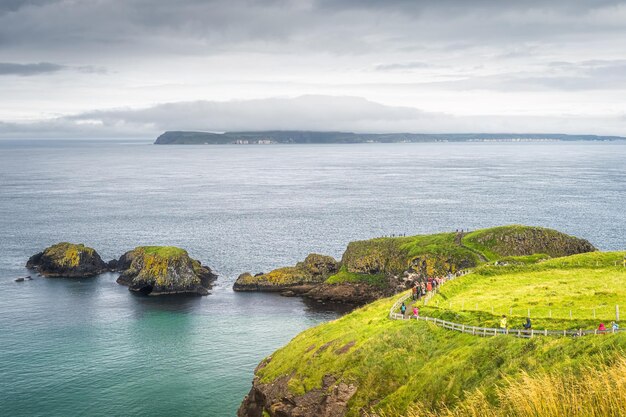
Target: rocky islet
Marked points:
149	270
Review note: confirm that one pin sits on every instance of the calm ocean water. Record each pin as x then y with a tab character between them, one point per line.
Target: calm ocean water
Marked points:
89	347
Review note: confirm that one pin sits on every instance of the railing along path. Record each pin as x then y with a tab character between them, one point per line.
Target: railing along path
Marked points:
484	331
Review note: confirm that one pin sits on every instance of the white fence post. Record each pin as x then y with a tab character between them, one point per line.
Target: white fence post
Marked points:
616	312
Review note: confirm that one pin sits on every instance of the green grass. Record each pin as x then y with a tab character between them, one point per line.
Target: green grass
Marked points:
589	285
344	276
397	363
518	240
163	251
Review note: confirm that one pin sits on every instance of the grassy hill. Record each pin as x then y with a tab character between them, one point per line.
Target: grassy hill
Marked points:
588	286
372	260
391	368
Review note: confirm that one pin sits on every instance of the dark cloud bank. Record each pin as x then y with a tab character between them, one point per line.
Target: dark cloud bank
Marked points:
319	113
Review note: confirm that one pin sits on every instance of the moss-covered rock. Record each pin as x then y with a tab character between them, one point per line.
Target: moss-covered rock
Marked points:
428	255
159	270
517	240
67	260
443	253
314	270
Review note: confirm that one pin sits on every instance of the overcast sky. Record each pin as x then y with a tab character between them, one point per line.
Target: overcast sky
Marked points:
107	68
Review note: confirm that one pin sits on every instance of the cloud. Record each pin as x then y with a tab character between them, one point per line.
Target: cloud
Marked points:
42	68
403	66
560	76
431	55
8	68
319	113
196	26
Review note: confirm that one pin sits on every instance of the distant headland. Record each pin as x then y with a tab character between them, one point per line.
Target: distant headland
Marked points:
306	137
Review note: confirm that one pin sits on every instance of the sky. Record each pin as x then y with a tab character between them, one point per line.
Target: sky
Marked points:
134	68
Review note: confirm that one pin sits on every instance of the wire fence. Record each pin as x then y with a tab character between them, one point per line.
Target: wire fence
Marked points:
487	331
600	312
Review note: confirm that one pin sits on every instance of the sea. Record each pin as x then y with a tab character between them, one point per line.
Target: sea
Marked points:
89	347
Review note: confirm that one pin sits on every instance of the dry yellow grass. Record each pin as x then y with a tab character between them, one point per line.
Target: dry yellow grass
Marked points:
591	392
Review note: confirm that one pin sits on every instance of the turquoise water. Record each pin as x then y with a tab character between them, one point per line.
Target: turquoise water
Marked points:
89	347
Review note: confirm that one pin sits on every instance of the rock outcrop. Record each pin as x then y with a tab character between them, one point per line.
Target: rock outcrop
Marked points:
67	260
276	400
314	270
517	240
357	293
161	270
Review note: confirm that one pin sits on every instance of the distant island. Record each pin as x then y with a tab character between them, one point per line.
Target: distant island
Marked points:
305	137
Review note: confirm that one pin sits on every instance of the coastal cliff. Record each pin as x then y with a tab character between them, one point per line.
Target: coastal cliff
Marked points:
379	267
69	260
162	270
307	137
365	364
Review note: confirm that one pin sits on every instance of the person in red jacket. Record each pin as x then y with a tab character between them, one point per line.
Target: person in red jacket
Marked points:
429	286
602	327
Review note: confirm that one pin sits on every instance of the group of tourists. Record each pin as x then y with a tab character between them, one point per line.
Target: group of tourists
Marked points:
421	287
424	286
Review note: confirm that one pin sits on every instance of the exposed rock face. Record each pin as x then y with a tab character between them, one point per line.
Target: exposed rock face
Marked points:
68	260
300	278
350	293
428	255
275	399
160	270
375	256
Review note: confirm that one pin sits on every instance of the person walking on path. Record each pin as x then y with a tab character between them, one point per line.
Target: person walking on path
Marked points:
403	309
414	292
503	323
614	326
416	312
602	327
528	325
429	286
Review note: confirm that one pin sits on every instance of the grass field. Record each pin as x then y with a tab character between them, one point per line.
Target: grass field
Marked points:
163	251
587	286
398	365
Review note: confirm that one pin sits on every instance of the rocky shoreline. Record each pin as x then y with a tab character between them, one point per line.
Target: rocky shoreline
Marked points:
308	279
